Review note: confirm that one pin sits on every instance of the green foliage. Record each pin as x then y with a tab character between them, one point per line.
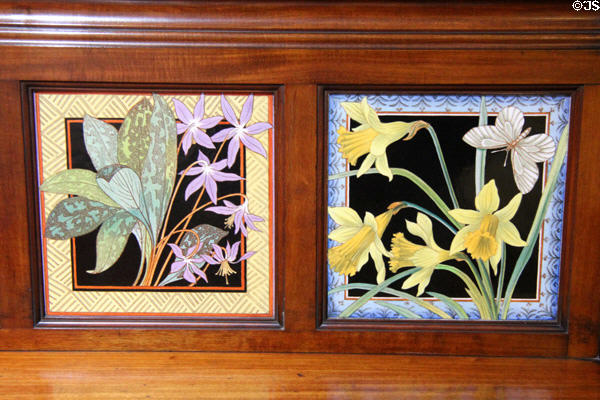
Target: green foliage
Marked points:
76	216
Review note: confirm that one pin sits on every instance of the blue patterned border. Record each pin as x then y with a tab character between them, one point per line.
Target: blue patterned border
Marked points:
558	107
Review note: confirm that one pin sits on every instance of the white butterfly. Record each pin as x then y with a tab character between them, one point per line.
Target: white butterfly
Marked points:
525	151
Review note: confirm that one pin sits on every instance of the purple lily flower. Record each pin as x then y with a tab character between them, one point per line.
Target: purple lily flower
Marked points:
238	215
187	263
240	132
209	175
225	258
194	126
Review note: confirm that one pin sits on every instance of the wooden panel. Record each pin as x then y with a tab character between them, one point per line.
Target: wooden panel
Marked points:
369	47
298	376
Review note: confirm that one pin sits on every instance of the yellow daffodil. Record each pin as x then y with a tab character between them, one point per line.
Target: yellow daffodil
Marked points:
372	137
408	254
359	239
487	227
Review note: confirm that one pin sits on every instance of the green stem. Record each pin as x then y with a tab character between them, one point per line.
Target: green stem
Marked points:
484	307
501	277
414	179
408	204
488	288
559	158
440	155
480	153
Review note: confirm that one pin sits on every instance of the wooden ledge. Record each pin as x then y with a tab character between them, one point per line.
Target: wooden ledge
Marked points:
89	375
294	24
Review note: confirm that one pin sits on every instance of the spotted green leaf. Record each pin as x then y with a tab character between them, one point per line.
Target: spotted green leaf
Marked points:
134	136
208	235
160	167
111	240
80	182
100	142
76	216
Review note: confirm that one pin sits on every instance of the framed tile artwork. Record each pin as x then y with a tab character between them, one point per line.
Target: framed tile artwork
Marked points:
446	207
155	205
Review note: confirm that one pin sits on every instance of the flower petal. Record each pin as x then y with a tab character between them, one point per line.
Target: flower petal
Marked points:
209	122
234	250
379	145
202	157
202	275
366	164
199	108
423	228
225	176
509	233
211	189
209	259
495	259
426	257
182	112
370	221
189	276
458	243
177	265
468	217
343	233
246	113
203	139
344	216
381	163
228	111
487	201
186	142
218	252
509	211
232	151
246	256
221	210
176	250
257	128
421	278
379	264
194	185
222	135
362	260
254	145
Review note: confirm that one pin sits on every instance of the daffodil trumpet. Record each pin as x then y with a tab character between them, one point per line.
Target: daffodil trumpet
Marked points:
359	239
372	137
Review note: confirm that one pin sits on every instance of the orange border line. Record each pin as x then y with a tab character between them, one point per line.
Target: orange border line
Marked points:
270	98
537	299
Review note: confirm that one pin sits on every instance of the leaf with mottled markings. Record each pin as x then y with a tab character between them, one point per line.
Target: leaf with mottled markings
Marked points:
111	240
134	136
100	142
76	216
208	235
160	167
79	182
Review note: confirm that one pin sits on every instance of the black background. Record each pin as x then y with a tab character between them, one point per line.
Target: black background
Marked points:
124	271
374	193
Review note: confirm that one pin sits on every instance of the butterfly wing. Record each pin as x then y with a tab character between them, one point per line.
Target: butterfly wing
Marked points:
539	148
510	123
485	137
525	169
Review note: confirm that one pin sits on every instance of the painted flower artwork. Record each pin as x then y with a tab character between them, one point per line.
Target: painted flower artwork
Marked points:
445	207
157	198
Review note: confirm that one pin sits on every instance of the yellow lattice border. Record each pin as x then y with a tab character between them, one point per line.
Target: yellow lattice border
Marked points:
60	299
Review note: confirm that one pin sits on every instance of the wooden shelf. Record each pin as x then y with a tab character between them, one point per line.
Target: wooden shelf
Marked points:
109	375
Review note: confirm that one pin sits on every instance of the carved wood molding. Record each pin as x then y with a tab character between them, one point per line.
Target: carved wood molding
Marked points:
351	25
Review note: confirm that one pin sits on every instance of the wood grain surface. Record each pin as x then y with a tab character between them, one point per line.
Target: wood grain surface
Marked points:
67	375
302	49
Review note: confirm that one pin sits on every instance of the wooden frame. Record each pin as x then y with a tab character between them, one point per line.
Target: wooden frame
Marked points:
508	46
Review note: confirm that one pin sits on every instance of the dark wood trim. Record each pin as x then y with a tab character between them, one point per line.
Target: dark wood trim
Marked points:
323	323
263	24
43	320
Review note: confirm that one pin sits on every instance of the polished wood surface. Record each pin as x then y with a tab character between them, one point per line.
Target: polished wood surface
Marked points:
68	375
302	50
